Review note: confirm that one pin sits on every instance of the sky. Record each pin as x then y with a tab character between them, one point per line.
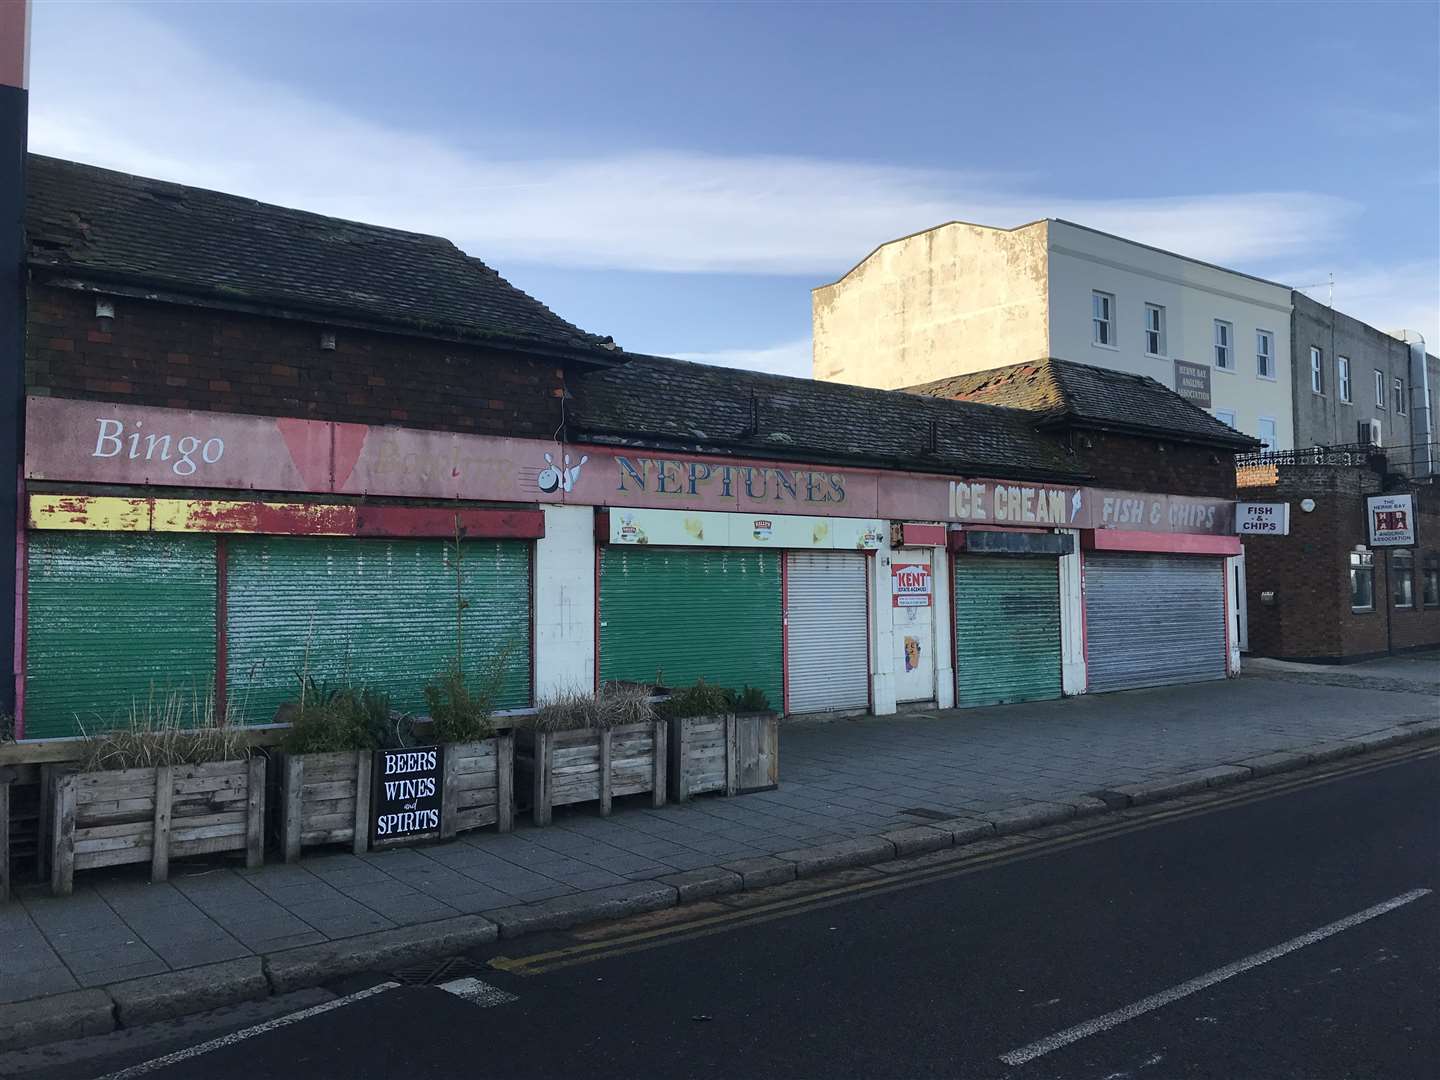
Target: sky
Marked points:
680	176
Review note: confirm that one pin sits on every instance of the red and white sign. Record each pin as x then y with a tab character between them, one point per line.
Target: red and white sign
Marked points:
1391	519
910	584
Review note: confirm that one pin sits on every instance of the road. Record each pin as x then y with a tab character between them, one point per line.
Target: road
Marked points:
1039	963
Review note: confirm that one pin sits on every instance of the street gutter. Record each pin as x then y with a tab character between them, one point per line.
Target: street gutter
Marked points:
98	1010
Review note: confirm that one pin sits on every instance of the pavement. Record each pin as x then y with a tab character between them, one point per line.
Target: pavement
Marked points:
1284	928
852	792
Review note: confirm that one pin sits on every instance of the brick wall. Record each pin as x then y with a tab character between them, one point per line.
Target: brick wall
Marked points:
194	358
1139	464
1309	571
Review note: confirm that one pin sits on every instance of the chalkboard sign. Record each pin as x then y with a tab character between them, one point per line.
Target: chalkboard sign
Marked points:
408	789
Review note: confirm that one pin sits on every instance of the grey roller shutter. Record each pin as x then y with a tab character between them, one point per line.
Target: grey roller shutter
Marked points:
1153	620
827	632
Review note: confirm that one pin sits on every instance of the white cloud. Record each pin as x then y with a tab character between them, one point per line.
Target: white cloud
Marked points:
1405	296
790	358
115	87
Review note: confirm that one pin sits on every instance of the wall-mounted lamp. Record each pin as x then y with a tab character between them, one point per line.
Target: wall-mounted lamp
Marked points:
105	313
327	340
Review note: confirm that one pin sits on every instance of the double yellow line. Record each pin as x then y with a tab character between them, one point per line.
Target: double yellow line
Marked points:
1104	828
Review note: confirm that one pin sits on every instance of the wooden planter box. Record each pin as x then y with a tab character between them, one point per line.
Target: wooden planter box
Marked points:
479	785
325	798
564	767
733	753
156	814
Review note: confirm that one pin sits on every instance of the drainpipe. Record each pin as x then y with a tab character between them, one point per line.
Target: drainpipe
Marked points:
14	107
1422	424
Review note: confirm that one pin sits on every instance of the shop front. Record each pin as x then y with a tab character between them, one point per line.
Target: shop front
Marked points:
1156	608
1007	615
776	602
200	609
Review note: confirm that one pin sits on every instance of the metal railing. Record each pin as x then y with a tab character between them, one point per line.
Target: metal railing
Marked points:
1411	459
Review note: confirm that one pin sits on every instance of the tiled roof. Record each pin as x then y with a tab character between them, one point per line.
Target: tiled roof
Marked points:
109	227
652	400
1063	391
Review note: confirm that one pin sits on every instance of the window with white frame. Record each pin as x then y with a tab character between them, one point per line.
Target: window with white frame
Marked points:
1264	354
1225	416
1402	577
1400	403
1224	347
1317	370
1102	315
1379	389
1362	581
1342	364
1265	432
1154	330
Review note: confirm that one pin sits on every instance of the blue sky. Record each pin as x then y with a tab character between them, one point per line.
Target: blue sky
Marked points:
680	176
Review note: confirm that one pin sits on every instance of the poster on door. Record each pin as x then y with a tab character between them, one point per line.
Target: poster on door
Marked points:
910	585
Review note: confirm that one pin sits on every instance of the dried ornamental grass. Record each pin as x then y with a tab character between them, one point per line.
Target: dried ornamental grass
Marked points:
616	705
176	729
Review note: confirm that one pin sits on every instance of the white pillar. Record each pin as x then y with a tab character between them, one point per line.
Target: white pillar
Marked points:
1234	610
565	601
944	624
882	632
1072	619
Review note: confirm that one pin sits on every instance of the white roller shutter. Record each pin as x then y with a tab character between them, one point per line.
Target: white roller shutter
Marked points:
1153	620
828	639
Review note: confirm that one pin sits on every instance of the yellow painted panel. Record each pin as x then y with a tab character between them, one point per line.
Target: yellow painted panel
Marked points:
105	513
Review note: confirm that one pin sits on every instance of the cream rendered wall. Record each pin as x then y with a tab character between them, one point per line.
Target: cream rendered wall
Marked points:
954	298
565	601
1193	295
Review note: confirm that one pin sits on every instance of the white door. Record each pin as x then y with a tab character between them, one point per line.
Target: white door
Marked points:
827	632
913	615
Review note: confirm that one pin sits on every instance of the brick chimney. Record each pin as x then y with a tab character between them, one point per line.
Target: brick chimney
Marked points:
14	111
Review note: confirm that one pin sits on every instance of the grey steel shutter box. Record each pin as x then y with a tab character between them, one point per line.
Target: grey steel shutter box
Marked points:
690	613
1153	620
827	631
117	620
1007	629
376	613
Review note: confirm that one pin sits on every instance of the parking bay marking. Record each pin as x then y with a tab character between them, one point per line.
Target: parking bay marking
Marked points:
1229	971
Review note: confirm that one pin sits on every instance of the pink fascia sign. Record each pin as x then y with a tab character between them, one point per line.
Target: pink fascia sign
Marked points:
113	443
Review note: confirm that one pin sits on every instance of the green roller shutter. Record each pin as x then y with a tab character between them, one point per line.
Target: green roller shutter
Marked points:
1007	630
379	613
115	621
688	613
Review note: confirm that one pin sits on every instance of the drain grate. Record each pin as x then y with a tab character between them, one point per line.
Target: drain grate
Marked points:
926	813
435	972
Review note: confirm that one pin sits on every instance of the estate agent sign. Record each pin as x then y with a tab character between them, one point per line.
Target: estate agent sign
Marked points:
1391	520
409	788
910	584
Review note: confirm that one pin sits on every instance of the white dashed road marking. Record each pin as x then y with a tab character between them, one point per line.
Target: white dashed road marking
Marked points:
477	992
246	1033
1185	989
